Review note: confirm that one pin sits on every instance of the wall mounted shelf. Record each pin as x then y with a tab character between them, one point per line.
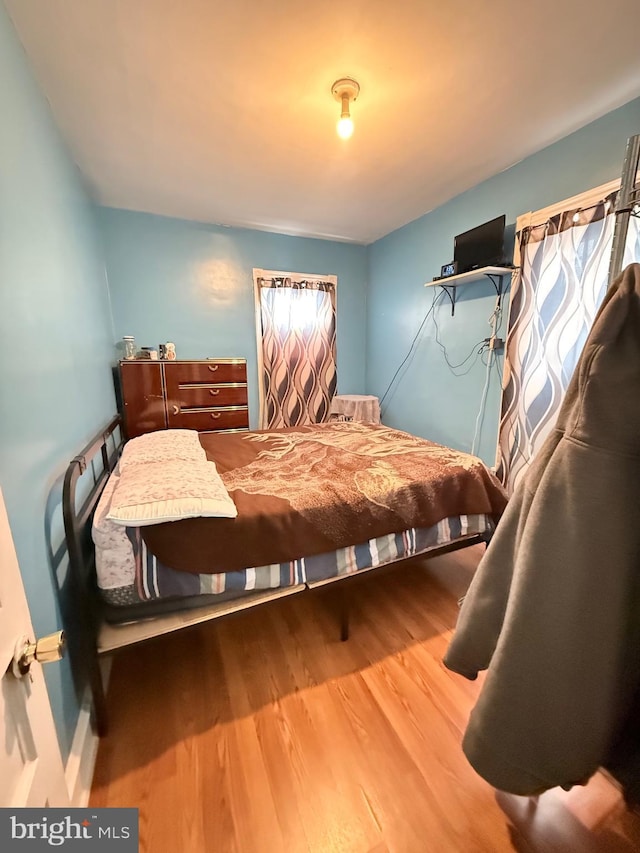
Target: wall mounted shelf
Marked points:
450	283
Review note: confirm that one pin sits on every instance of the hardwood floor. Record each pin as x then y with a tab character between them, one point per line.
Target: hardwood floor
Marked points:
264	733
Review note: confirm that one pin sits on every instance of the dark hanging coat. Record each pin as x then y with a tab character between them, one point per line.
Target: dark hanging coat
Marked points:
553	611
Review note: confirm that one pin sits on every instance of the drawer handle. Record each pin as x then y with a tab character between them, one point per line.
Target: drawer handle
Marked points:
215	414
213	367
214	391
176	410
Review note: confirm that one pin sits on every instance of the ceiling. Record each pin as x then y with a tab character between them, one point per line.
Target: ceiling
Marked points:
221	111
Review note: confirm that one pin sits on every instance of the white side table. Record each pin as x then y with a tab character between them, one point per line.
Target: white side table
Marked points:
355	407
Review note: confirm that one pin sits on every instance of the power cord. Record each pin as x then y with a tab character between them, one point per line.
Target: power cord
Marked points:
479	349
494	322
482	346
406	358
483	404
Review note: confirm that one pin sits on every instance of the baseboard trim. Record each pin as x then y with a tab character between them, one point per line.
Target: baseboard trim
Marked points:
81	763
78	772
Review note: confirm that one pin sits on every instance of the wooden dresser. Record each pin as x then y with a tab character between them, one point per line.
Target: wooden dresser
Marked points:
207	396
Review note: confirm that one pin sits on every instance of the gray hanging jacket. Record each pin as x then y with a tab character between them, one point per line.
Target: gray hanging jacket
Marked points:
553	611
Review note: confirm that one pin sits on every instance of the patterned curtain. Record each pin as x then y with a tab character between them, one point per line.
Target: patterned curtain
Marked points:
298	327
563	279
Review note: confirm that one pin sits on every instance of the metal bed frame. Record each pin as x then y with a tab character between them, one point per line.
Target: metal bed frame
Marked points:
96	638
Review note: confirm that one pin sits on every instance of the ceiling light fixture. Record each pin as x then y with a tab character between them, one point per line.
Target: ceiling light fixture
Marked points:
345	90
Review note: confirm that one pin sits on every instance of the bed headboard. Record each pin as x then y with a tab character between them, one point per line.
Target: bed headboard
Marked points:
80	496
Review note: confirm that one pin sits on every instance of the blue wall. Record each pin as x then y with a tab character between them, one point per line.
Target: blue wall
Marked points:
173	280
55	328
428	399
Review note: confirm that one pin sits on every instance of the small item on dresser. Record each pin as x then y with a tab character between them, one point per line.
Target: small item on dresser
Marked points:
145	353
162	351
129	347
171	351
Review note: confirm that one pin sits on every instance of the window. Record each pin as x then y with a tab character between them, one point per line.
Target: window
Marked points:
296	330
563	253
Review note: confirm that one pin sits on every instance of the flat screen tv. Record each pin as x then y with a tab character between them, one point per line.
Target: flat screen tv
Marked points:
482	246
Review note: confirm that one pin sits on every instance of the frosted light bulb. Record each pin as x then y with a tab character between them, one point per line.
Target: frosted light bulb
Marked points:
345	90
345	127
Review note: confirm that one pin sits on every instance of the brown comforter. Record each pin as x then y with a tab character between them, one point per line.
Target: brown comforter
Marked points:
308	490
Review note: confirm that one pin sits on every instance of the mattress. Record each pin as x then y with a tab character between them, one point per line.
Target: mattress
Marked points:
318	488
134	583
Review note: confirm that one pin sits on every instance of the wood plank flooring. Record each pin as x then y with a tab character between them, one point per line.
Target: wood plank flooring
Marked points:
263	733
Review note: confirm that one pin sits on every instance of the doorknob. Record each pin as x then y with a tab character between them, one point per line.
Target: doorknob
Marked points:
45	650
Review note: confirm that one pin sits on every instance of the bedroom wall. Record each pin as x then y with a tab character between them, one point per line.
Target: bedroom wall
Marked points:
429	400
55	328
191	283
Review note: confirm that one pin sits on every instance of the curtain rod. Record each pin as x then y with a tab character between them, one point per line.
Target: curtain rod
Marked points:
283	278
607	203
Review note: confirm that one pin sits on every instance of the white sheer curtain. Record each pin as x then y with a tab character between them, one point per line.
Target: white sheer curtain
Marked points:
564	263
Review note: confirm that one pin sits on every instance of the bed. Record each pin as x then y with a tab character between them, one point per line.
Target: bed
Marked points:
307	506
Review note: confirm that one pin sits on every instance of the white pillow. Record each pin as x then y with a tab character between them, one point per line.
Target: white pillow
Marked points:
163	445
168	491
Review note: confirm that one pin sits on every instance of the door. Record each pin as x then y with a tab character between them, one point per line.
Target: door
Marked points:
31	771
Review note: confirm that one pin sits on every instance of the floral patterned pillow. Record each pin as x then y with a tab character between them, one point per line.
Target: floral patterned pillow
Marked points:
163	445
159	491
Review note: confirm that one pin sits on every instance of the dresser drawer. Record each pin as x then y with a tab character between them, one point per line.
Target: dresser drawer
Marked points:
213	418
203	372
142	397
206	395
192	396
